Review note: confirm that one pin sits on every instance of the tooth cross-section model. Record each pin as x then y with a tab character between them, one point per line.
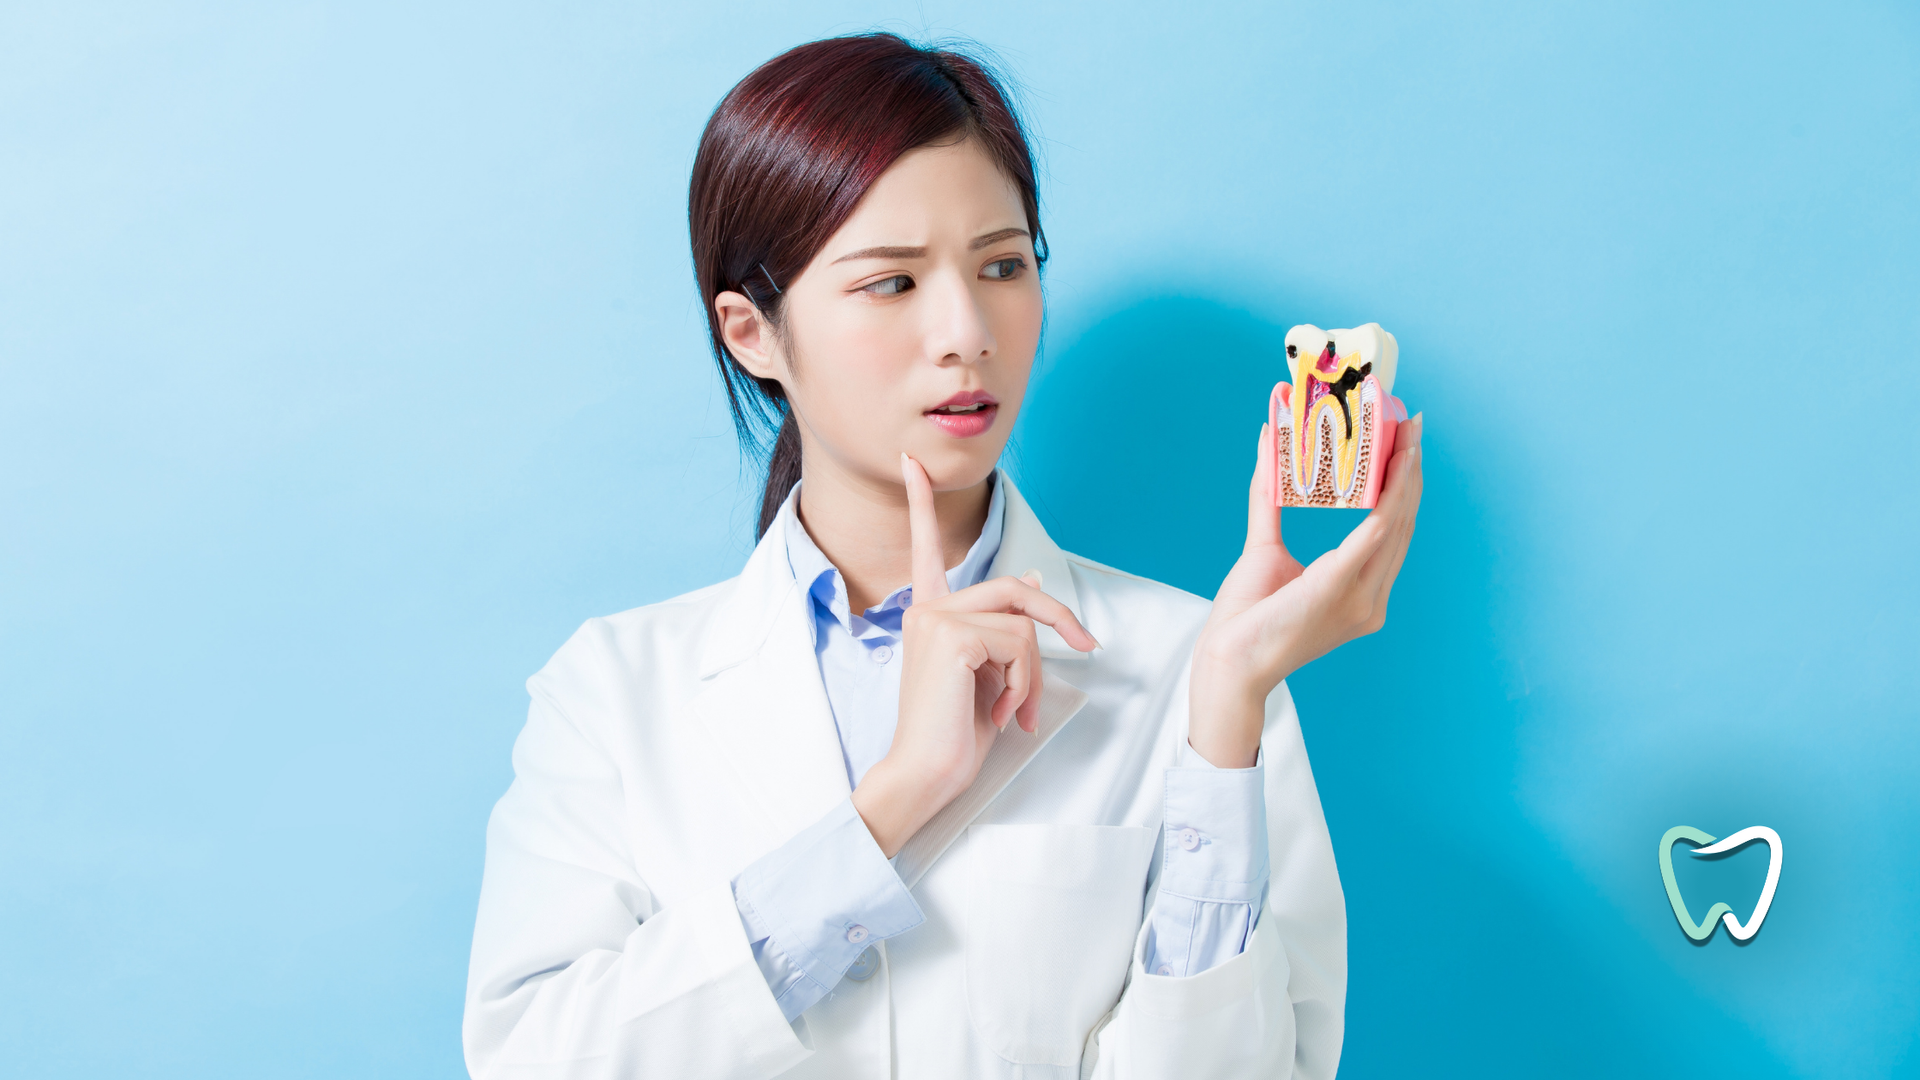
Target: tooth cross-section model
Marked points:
1332	426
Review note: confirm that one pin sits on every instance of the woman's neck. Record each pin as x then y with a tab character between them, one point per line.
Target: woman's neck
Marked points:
861	527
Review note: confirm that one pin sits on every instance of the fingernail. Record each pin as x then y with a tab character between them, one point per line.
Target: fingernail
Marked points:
1035	575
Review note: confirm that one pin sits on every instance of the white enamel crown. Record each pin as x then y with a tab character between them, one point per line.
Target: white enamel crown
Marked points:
1374	345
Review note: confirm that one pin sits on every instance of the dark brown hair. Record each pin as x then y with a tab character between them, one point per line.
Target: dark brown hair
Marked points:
785	159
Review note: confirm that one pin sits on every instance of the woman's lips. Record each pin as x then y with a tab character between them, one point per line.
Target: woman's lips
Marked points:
965	415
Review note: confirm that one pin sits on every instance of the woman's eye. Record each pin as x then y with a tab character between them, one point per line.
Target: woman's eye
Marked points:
892	286
1001	269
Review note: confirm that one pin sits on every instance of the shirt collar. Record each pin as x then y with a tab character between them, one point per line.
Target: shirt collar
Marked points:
829	591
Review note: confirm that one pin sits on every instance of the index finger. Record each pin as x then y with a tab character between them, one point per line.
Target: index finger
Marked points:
1409	483
923	526
1021	596
1402	481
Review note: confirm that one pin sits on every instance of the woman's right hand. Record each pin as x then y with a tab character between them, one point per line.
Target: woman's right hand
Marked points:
970	663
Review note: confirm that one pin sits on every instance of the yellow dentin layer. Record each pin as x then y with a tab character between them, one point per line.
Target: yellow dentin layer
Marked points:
1307	427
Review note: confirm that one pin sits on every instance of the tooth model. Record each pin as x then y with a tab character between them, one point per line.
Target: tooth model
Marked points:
1332	426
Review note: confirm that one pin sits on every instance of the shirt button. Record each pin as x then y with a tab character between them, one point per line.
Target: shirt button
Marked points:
1164	969
1190	839
857	934
882	654
864	967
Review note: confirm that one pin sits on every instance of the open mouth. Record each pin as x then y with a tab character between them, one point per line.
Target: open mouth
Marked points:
965	415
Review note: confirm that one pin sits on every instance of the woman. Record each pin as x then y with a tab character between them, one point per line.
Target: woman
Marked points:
918	793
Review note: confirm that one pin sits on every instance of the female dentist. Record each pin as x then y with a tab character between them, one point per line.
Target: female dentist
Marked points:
917	793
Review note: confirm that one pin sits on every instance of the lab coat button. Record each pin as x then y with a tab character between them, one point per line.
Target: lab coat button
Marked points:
882	654
1190	839
864	967
857	934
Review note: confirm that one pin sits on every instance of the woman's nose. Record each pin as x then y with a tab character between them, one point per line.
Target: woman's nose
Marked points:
958	330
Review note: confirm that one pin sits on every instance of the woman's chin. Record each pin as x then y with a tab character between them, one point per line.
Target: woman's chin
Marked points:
955	465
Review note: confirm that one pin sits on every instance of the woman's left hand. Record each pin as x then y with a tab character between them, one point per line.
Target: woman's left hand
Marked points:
1272	615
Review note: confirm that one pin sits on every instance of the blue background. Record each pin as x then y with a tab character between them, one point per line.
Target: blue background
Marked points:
349	358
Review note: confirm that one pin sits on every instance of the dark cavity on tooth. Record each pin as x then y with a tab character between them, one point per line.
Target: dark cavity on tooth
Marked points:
1347	384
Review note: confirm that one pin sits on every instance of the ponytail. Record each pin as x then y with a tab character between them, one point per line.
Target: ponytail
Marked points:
783	471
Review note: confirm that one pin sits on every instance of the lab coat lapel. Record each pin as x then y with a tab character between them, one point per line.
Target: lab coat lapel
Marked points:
761	693
1024	545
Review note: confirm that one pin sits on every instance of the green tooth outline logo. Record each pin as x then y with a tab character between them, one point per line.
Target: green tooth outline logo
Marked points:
1720	912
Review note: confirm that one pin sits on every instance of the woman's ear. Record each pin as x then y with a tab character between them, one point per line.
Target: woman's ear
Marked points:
747	335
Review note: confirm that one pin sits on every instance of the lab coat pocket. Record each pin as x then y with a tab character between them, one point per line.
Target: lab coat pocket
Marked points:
1052	914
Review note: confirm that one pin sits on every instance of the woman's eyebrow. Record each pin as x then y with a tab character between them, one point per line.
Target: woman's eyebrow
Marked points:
976	244
994	238
884	253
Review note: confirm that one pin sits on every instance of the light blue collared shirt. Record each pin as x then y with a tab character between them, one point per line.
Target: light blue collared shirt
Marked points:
860	654
814	907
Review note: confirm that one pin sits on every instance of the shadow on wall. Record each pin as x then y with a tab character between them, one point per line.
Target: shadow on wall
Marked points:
1475	947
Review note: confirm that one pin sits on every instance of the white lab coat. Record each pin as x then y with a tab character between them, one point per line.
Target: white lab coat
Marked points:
670	746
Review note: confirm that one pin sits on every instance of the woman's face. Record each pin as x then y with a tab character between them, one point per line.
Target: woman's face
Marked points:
915	327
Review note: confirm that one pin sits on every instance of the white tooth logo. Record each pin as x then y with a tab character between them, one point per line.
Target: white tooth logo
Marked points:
1703	929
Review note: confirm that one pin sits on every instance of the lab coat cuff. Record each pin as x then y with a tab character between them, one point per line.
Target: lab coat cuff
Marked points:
823	898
